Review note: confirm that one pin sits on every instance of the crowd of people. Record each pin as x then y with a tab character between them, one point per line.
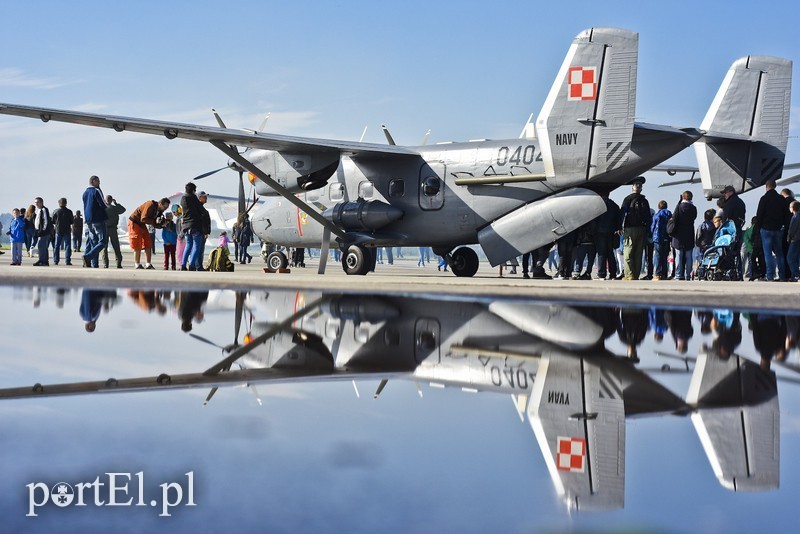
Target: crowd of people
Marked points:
184	229
634	242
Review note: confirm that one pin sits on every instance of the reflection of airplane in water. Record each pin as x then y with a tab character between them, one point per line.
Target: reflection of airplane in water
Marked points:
550	358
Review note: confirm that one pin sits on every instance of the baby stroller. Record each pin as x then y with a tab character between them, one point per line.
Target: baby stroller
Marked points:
720	261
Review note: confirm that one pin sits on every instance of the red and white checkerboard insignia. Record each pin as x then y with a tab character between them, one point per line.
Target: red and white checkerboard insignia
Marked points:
571	454
582	83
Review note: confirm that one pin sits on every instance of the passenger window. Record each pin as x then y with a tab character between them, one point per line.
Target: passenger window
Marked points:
431	186
337	191
397	188
365	190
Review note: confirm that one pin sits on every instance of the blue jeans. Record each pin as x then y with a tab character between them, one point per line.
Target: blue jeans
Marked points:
63	240
771	241
95	242
660	256
683	264
194	238
793	256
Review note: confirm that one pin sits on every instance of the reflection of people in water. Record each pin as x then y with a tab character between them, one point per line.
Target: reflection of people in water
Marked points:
632	329
680	324
658	323
728	329
92	301
190	307
769	337
149	300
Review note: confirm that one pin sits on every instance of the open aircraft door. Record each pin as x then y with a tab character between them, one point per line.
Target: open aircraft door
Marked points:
577	414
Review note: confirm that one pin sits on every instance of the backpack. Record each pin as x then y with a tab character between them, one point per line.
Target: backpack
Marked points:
672	222
638	212
219	260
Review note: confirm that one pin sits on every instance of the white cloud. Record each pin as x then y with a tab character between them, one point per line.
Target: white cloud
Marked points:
12	77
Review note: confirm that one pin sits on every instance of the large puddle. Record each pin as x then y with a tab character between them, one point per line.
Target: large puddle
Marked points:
316	411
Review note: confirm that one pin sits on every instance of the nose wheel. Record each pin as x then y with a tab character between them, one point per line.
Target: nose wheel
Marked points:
277	261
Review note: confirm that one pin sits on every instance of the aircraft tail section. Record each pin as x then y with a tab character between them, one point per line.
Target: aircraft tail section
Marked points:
737	421
586	124
747	126
577	413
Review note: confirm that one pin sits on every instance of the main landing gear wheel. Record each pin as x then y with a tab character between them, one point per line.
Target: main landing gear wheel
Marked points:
277	261
464	262
356	260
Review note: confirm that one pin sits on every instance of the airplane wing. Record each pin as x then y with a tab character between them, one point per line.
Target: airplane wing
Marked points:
244	138
577	412
738	421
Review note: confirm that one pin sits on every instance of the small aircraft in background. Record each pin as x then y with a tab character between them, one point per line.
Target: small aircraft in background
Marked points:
508	196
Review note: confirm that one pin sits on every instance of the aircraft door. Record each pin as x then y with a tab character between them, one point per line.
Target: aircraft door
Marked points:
432	185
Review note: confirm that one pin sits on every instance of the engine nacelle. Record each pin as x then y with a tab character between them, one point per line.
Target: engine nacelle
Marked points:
295	172
362	214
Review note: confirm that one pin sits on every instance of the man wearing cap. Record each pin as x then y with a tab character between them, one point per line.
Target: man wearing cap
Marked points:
735	210
635	220
114	210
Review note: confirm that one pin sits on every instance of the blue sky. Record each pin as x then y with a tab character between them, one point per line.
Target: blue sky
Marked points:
328	69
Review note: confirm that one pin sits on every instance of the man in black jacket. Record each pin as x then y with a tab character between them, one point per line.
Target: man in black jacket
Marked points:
62	220
636	219
770	219
683	236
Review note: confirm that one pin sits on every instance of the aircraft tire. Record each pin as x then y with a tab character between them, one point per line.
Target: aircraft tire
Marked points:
355	260
277	261
464	262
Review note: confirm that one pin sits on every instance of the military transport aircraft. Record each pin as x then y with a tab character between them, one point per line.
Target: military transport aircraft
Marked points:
508	196
550	358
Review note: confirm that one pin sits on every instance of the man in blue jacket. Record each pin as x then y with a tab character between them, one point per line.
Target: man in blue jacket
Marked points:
95	217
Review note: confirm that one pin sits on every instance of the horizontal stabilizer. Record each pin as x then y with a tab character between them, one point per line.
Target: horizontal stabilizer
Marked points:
747	126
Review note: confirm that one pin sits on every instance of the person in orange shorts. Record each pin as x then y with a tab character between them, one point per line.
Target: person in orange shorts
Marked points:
139	236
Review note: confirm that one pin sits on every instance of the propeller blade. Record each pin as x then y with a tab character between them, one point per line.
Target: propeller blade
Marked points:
355	387
361	140
204	340
210	394
425	138
380	388
788	180
388	135
241	192
209	173
323	253
264	123
219	119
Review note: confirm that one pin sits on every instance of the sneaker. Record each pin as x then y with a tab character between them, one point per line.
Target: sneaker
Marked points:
183	268
585	276
656	277
526	276
69	263
648	277
140	266
150	267
541	276
86	262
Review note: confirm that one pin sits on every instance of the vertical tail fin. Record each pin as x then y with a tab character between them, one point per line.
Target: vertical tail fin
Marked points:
586	123
747	126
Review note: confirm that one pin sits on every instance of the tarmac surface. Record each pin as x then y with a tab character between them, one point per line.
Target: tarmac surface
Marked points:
405	277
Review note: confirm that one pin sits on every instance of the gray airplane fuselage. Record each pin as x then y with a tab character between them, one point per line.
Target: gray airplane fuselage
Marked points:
454	214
